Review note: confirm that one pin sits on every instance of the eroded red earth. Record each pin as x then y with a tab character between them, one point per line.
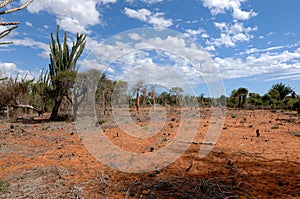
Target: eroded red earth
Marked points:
49	160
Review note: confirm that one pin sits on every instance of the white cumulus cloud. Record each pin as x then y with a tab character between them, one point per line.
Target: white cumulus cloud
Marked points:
73	16
155	19
266	64
108	1
221	6
145	1
27	23
231	34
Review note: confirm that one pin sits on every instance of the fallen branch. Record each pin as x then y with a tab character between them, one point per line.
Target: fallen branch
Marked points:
40	112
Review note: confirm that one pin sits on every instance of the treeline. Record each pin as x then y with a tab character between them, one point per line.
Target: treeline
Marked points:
61	90
39	95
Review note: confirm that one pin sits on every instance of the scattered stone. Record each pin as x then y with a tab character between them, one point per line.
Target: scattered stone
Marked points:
229	163
189	168
297	134
257	133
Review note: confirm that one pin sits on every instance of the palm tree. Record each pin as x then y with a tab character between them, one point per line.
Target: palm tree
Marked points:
282	89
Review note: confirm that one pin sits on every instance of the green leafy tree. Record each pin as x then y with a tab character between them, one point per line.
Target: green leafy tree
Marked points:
63	68
164	98
222	100
240	94
281	90
104	92
176	91
296	105
254	99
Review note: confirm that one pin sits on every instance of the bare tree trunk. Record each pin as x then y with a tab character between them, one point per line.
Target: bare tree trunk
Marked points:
240	101
54	113
137	101
154	102
75	108
7	112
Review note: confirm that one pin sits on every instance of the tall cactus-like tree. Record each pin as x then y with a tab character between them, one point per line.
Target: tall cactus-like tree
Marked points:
63	68
3	5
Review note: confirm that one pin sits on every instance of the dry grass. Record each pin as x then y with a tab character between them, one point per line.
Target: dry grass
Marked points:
42	182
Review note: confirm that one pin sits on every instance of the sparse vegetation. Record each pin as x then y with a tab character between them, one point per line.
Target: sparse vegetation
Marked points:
233	116
43	157
3	186
275	126
101	121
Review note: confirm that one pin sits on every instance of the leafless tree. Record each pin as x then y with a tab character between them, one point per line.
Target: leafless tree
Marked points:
5	8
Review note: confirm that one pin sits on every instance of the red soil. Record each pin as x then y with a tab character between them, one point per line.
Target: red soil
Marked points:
49	160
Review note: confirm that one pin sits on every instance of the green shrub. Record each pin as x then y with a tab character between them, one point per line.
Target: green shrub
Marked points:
233	116
101	121
3	186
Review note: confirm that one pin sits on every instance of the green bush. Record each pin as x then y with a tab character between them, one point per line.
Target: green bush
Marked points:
3	186
101	121
233	116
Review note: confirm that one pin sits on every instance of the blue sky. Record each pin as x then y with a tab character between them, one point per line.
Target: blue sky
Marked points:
252	43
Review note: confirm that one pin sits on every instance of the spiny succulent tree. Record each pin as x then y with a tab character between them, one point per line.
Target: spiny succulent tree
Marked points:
63	68
6	4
